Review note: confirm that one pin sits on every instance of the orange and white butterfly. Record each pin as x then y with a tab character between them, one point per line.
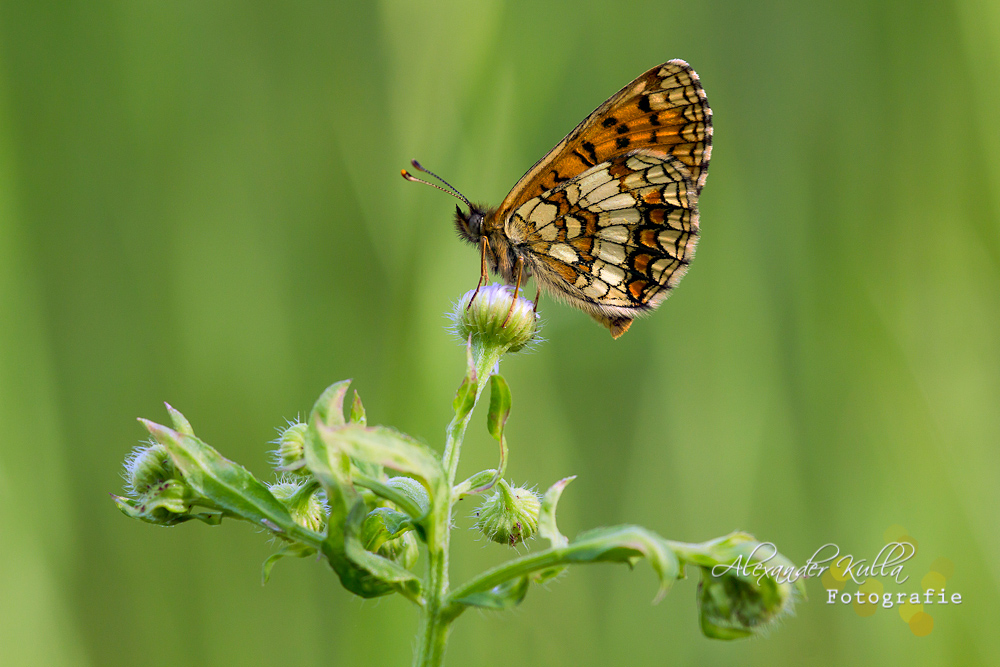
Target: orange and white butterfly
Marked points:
608	220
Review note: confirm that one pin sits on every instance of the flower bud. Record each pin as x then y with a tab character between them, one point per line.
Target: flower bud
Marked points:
403	550
159	495
389	534
737	599
509	516
290	455
303	503
148	466
484	319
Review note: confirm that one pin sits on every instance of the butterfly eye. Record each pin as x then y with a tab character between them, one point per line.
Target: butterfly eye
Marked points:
475	222
468	225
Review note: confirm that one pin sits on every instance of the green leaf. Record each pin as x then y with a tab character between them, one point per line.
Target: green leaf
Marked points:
358	411
547	516
499	406
620	544
386	447
496	419
181	424
360	572
136	510
329	407
504	596
465	397
380	573
406	493
381	525
288	550
484	479
333	470
221	483
547	527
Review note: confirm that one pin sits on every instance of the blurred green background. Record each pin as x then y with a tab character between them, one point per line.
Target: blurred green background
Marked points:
200	202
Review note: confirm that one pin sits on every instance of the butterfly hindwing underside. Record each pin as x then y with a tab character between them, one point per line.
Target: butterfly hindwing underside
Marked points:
614	239
608	220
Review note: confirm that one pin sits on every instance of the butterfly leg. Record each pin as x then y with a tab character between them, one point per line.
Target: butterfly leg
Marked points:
519	269
484	245
538	295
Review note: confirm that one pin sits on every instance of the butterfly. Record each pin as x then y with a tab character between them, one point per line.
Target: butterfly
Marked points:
607	221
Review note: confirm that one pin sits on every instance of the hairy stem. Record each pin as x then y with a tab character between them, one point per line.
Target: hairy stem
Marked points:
437	615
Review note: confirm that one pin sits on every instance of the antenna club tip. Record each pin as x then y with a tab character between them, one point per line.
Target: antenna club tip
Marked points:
416	165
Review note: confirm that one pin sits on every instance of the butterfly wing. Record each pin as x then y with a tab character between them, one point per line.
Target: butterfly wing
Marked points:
613	240
664	109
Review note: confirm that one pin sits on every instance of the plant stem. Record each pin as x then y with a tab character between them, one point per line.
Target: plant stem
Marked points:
437	616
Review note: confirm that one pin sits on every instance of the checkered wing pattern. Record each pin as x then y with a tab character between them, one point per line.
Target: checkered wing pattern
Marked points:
664	109
614	239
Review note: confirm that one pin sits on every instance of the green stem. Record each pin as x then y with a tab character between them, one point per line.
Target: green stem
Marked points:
485	361
437	615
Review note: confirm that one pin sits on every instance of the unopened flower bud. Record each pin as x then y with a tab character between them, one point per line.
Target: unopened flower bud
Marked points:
509	516
303	503
388	533
403	550
290	455
736	600
147	467
485	319
159	495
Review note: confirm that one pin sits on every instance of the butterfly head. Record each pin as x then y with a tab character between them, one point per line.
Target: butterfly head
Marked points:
470	225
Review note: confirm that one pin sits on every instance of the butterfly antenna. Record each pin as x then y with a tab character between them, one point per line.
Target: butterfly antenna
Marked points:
453	191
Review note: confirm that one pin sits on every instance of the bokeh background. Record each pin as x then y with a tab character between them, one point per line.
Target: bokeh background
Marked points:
200	202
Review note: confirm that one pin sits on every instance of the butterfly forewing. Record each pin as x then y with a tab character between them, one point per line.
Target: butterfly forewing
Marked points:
608	219
663	109
614	239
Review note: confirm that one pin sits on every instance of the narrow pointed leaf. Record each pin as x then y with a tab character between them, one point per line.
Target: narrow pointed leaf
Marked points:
465	397
358	411
547	527
181	424
500	401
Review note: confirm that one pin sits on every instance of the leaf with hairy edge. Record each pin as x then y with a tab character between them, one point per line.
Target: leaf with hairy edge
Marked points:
226	485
